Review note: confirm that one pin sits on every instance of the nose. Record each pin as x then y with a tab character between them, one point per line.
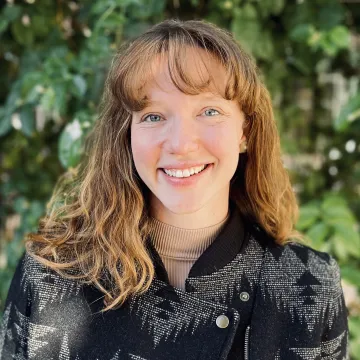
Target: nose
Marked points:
182	136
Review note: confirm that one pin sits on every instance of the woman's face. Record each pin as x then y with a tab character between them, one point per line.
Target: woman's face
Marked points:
182	132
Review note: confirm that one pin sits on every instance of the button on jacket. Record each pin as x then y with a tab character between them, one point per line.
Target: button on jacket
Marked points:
245	298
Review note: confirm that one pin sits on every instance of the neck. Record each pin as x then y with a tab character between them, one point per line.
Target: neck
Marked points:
197	217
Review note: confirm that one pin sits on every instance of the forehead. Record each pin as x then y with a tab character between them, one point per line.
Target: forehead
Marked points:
198	72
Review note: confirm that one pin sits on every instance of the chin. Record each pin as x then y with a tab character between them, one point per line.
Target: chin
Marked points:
183	206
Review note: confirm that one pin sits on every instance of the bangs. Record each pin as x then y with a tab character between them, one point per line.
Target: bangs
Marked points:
141	63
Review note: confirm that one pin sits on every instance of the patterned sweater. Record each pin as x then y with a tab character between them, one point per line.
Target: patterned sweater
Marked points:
245	298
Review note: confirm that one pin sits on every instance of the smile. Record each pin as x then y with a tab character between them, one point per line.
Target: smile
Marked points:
185	172
189	180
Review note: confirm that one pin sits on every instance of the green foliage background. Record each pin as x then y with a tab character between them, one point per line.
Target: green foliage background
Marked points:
54	56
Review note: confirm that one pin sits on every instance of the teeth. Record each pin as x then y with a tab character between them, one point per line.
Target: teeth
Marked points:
185	172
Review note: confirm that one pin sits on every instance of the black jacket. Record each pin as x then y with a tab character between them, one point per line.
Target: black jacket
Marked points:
245	298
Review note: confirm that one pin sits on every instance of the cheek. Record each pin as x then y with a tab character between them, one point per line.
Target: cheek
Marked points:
224	145
223	142
143	149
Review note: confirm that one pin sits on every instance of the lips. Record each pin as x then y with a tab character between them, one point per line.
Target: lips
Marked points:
206	165
184	168
184	182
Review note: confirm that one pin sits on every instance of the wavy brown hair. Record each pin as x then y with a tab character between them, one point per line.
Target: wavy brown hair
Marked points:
98	220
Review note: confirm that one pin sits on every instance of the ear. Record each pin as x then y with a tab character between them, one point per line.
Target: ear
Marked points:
242	139
244	127
242	144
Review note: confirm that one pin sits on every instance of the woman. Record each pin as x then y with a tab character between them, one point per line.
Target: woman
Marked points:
177	240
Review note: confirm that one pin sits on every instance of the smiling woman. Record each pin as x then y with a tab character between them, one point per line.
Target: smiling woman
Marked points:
178	241
189	131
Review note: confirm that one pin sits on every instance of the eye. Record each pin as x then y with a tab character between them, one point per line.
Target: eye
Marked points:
152	118
210	112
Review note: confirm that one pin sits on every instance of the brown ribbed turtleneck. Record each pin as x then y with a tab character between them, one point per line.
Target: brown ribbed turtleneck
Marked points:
179	248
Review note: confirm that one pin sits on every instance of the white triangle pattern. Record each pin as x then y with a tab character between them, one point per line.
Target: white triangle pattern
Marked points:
191	310
332	347
279	285
307	353
45	284
136	357
116	356
35	333
4	326
21	327
64	350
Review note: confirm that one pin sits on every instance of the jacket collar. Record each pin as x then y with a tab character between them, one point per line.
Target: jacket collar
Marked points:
220	252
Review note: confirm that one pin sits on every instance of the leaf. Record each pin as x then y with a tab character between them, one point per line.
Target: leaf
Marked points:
3	24
58	52
47	100
60	102
308	215
330	14
97	84
302	32
277	6
318	233
80	86
145	9
269	7
36	210
27	117
40	25
349	113
331	201
335	210
70	144
100	7
247	29
350	274
327	45
29	82
134	29
13	98
354	327
21	205
11	103
340	37
299	64
354	324
22	34
338	248
11	12
5	122
110	21
349	238
338	215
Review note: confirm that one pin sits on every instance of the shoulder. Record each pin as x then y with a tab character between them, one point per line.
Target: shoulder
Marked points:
297	279
300	289
297	265
315	267
44	283
27	272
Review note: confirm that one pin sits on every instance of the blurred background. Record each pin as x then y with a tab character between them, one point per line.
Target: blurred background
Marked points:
54	55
